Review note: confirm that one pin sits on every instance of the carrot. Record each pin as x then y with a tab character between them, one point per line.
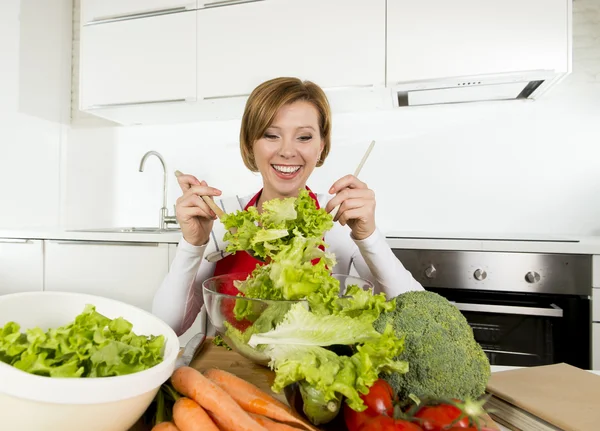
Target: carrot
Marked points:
271	425
254	400
189	416
165	426
222	426
192	384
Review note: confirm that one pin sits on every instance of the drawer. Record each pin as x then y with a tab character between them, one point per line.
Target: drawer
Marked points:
596	346
595	271
596	305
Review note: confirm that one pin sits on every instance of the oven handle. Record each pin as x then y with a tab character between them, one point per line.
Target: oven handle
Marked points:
554	311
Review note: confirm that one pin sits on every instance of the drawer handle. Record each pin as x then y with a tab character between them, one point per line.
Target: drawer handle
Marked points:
147	102
148	14
15	241
119	243
554	311
228	3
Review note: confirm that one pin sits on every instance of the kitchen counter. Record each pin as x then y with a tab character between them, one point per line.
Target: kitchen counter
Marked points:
171	236
400	240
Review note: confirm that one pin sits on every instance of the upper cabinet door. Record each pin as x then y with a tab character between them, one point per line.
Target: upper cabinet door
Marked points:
106	10
473	37
334	43
144	60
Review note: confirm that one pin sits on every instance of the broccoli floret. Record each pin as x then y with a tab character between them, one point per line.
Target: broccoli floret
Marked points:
443	357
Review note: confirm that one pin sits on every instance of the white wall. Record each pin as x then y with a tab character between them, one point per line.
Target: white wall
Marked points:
34	109
500	168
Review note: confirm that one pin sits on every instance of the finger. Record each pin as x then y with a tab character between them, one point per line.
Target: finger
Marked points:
187	213
186	181
348	205
348	215
204	190
349	181
195	201
346	194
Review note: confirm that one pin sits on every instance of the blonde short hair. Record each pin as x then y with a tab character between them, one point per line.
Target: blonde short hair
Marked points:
265	101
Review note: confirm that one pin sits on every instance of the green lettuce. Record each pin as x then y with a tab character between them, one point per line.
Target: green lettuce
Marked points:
92	345
332	374
302	327
279	223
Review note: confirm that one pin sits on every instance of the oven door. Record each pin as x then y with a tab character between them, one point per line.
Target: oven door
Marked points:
525	329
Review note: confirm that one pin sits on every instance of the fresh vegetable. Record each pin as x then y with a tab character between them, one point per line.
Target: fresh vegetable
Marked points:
218	341
379	401
92	345
189	416
165	426
333	374
445	360
279	223
252	399
270	424
439	416
210	396
302	327
318	407
386	423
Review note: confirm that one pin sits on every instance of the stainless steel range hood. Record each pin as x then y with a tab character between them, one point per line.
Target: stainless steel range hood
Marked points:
463	89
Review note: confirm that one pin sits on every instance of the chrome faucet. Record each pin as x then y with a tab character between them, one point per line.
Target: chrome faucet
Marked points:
165	219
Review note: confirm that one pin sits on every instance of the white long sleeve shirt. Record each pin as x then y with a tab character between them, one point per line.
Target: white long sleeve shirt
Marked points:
179	298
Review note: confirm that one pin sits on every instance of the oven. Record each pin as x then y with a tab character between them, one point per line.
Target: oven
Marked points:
525	309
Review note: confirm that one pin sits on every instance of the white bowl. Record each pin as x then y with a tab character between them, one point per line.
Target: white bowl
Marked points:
30	402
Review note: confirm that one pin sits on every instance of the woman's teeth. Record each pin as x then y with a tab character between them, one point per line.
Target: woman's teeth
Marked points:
286	169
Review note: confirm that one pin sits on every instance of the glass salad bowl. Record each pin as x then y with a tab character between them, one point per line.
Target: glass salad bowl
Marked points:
225	306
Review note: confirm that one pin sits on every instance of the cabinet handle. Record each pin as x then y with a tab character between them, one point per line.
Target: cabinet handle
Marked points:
148	14
147	102
231	96
15	241
228	3
119	243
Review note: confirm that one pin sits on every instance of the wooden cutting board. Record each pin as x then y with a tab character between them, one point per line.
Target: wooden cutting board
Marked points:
212	356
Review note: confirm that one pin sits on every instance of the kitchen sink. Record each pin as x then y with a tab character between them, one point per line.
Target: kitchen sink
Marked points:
128	230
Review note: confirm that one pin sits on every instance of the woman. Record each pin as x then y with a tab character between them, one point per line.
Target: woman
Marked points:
285	133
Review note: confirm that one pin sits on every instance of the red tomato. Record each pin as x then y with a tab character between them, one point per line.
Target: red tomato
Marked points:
440	417
379	401
386	423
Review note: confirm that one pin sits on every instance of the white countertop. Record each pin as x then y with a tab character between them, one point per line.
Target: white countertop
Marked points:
403	240
172	237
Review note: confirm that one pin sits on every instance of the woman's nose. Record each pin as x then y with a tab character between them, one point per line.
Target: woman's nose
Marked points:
287	150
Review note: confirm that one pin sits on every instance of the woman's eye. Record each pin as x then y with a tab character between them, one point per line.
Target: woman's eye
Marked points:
305	138
269	136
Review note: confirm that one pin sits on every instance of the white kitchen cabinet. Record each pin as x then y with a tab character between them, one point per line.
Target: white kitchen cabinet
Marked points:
596	271
127	271
336	43
472	37
138	61
108	10
596	346
21	265
596	305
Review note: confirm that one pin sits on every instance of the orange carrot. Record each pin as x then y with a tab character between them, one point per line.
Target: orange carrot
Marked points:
222	426
189	416
254	400
192	384
271	425
165	426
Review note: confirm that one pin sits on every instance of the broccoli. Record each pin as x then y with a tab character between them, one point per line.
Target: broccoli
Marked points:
444	359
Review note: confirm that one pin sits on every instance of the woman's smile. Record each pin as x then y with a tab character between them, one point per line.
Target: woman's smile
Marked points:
286	171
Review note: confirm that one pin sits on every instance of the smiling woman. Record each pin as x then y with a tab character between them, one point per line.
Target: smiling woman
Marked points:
285	133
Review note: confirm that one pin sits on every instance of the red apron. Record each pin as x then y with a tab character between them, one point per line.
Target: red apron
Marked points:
241	261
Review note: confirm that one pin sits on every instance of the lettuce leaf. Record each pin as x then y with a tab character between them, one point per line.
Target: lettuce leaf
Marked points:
92	345
302	327
279	223
333	374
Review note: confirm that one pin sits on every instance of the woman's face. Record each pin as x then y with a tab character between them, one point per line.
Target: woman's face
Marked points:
289	150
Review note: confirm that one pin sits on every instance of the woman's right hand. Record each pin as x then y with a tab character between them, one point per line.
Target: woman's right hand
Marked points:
193	214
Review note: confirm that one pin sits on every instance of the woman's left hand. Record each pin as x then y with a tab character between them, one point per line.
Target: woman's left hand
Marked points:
357	206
